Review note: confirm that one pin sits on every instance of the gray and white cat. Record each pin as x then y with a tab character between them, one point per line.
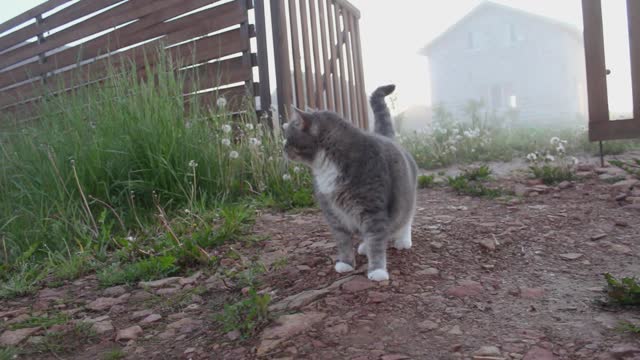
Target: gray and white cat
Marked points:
364	182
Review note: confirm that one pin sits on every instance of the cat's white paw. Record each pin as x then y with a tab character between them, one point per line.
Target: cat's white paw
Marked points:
343	267
403	242
362	248
379	275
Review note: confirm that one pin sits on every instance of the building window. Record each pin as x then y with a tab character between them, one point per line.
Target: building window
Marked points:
513	101
502	96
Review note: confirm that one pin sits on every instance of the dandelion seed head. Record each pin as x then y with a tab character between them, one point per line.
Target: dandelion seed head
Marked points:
286	177
193	164
297	169
255	142
234	154
226	128
221	102
226	142
249	126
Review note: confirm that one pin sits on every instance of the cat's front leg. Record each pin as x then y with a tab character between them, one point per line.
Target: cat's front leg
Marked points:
375	244
346	260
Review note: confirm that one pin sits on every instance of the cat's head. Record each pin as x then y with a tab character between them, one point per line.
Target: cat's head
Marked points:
305	133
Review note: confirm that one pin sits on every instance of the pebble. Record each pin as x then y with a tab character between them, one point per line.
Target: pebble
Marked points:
130	333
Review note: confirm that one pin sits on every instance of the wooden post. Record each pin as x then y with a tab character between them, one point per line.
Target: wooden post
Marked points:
263	59
281	57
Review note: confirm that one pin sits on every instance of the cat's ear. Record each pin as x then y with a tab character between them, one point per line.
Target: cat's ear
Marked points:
301	118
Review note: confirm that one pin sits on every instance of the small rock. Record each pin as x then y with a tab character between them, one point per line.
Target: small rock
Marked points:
286	327
597	237
339	329
358	283
621	197
625	185
190	280
185	325
15	337
159	283
140	314
538	353
429	272
564	185
427	325
104	303
531	293
487	351
624	351
377	297
189	350
455	330
114	291
304	268
621	249
130	333
233	335
102	327
394	357
488	244
465	288
151	319
436	245
167	291
571	256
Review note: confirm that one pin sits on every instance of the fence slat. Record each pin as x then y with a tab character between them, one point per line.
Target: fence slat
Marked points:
364	106
58	19
308	67
31	13
176	31
212	75
263	58
281	57
343	73
295	46
349	50
633	13
319	89
334	62
331	105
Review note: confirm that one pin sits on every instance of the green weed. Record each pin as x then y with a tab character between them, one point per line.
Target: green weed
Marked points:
426	181
41	321
248	315
624	291
24	281
144	270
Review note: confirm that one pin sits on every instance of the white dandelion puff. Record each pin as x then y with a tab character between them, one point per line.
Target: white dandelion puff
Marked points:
222	102
285	126
549	157
234	154
226	142
286	177
249	126
254	142
532	157
297	170
193	164
555	140
226	128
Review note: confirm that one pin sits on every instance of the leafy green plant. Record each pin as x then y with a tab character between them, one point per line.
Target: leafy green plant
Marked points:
426	181
247	316
8	353
472	182
44	321
22	282
114	354
552	174
68	339
144	270
625	291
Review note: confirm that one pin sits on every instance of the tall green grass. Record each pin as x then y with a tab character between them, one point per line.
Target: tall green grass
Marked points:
104	160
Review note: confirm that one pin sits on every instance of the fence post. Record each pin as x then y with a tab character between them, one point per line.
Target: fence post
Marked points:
263	59
42	58
281	57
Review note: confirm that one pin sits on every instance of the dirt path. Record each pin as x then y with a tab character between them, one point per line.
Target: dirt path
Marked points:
485	280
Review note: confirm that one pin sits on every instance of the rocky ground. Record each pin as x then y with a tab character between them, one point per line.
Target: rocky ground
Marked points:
518	278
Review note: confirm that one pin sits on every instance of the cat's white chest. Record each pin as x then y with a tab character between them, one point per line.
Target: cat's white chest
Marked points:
325	173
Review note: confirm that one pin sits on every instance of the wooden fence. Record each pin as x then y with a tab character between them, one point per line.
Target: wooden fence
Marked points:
62	44
601	127
321	39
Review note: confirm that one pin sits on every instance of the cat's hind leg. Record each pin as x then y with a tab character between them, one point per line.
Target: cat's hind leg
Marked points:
402	238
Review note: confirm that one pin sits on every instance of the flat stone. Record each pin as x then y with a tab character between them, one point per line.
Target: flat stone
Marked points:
130	333
531	293
538	353
427	325
487	351
141	314
597	237
286	327
455	330
488	244
15	337
358	283
564	185
465	288
377	297
624	351
185	325
571	256
12	313
102	327
167	291
190	280
151	319
104	303
233	335
114	291
621	249
159	283
626	184
436	245
429	272
51	294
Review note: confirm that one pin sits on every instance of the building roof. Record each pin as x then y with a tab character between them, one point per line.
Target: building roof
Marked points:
488	5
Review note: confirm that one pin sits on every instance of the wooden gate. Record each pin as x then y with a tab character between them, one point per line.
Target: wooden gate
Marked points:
209	37
318	57
600	126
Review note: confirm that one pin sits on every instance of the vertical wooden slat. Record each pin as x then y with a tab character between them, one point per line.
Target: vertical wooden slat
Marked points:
331	105
595	63
308	67
334	61
295	46
363	93
633	14
343	73
263	58
352	85
281	57
319	88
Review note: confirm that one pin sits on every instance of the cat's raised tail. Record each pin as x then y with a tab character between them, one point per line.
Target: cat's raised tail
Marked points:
383	124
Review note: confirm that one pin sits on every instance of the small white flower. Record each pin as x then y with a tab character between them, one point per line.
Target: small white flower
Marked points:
284	142
249	126
193	164
297	170
286	177
234	154
453	149
560	149
270	158
285	126
574	160
532	157
226	142
555	140
130	238
254	142
549	157
226	128
222	102
187	211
